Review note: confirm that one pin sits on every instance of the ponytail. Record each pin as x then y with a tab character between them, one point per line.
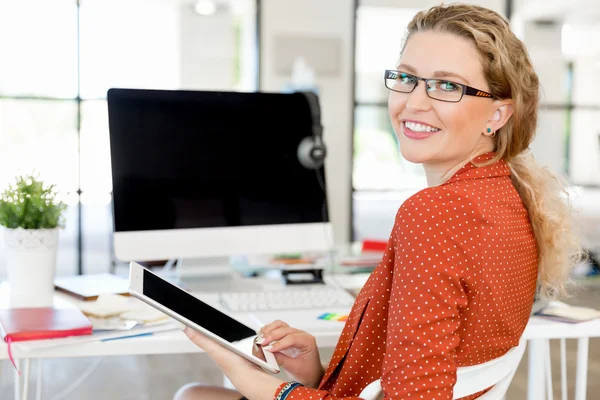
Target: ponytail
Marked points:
553	223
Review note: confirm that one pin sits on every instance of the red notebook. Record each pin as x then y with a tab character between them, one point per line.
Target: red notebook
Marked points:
21	324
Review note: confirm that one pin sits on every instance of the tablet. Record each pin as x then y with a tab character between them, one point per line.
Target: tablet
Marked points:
192	312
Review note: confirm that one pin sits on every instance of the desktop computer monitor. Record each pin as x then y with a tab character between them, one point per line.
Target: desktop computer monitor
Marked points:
199	174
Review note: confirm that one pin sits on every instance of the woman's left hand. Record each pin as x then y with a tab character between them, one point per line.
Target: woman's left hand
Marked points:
226	359
247	377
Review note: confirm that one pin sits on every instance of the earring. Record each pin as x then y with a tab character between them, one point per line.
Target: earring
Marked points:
489	130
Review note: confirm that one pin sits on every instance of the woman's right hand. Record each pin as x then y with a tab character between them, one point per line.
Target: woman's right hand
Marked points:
295	350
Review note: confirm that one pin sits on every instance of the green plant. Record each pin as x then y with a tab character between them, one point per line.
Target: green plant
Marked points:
28	204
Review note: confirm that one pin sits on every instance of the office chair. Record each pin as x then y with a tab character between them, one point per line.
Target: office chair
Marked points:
470	380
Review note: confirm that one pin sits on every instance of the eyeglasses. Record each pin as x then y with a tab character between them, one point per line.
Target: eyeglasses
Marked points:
438	89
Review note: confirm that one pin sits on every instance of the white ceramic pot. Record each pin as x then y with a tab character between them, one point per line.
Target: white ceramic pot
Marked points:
31	265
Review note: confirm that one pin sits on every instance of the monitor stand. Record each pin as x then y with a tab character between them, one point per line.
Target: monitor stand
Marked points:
213	274
178	268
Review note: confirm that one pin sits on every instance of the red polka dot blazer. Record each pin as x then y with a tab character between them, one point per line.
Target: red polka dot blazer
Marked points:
455	288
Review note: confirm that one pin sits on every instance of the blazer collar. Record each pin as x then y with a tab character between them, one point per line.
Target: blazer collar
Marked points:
471	171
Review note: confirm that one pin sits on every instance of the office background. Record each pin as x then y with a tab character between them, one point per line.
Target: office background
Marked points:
60	57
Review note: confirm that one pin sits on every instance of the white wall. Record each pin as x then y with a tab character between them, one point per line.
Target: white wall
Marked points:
543	45
496	5
331	19
206	49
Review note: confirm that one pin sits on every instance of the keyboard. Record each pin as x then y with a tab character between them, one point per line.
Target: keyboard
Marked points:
296	298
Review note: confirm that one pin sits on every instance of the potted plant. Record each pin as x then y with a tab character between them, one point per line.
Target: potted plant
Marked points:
31	216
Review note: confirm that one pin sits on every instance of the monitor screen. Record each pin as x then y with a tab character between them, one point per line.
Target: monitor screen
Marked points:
197	159
183	159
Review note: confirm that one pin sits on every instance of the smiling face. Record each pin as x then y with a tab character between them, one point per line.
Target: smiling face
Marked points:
442	135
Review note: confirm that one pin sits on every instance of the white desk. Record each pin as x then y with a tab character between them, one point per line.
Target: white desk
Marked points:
538	332
170	342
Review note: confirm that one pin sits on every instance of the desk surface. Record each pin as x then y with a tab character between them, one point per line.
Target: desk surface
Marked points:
543	328
170	342
175	341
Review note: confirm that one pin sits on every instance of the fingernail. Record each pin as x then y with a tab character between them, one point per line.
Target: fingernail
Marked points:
260	338
268	348
291	352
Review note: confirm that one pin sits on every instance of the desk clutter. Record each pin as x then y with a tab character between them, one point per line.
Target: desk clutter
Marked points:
113	308
107	303
333	317
302	268
112	317
109	317
89	287
562	312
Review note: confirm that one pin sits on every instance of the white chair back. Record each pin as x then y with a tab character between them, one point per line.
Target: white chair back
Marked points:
470	380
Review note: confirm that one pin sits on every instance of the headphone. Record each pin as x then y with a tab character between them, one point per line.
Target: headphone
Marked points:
312	151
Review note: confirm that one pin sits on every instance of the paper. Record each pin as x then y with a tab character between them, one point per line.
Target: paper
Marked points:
569	313
107	305
112	324
110	306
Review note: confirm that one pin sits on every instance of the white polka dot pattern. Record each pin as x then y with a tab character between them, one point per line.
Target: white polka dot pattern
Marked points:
454	288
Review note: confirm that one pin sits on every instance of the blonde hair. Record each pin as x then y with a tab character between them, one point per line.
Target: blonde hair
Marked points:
510	75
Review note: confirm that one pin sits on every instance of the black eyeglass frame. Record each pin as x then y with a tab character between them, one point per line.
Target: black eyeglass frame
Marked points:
466	90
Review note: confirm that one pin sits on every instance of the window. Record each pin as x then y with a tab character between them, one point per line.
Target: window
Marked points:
381	178
58	63
38	43
583	153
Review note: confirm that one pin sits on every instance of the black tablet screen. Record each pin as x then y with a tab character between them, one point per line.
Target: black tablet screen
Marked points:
194	309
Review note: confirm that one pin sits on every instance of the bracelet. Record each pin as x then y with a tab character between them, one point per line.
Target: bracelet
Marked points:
285	391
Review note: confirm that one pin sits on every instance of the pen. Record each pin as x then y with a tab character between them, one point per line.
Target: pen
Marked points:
128	336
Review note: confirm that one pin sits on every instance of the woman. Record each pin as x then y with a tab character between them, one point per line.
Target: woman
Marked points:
457	282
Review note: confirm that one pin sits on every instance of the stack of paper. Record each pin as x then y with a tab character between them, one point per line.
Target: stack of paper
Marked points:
565	313
108	306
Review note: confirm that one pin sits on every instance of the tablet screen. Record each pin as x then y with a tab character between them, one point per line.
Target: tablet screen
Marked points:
193	309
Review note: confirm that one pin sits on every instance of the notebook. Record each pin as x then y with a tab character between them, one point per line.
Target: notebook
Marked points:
22	324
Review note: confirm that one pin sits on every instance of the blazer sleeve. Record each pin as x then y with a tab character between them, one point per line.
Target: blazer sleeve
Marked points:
436	235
